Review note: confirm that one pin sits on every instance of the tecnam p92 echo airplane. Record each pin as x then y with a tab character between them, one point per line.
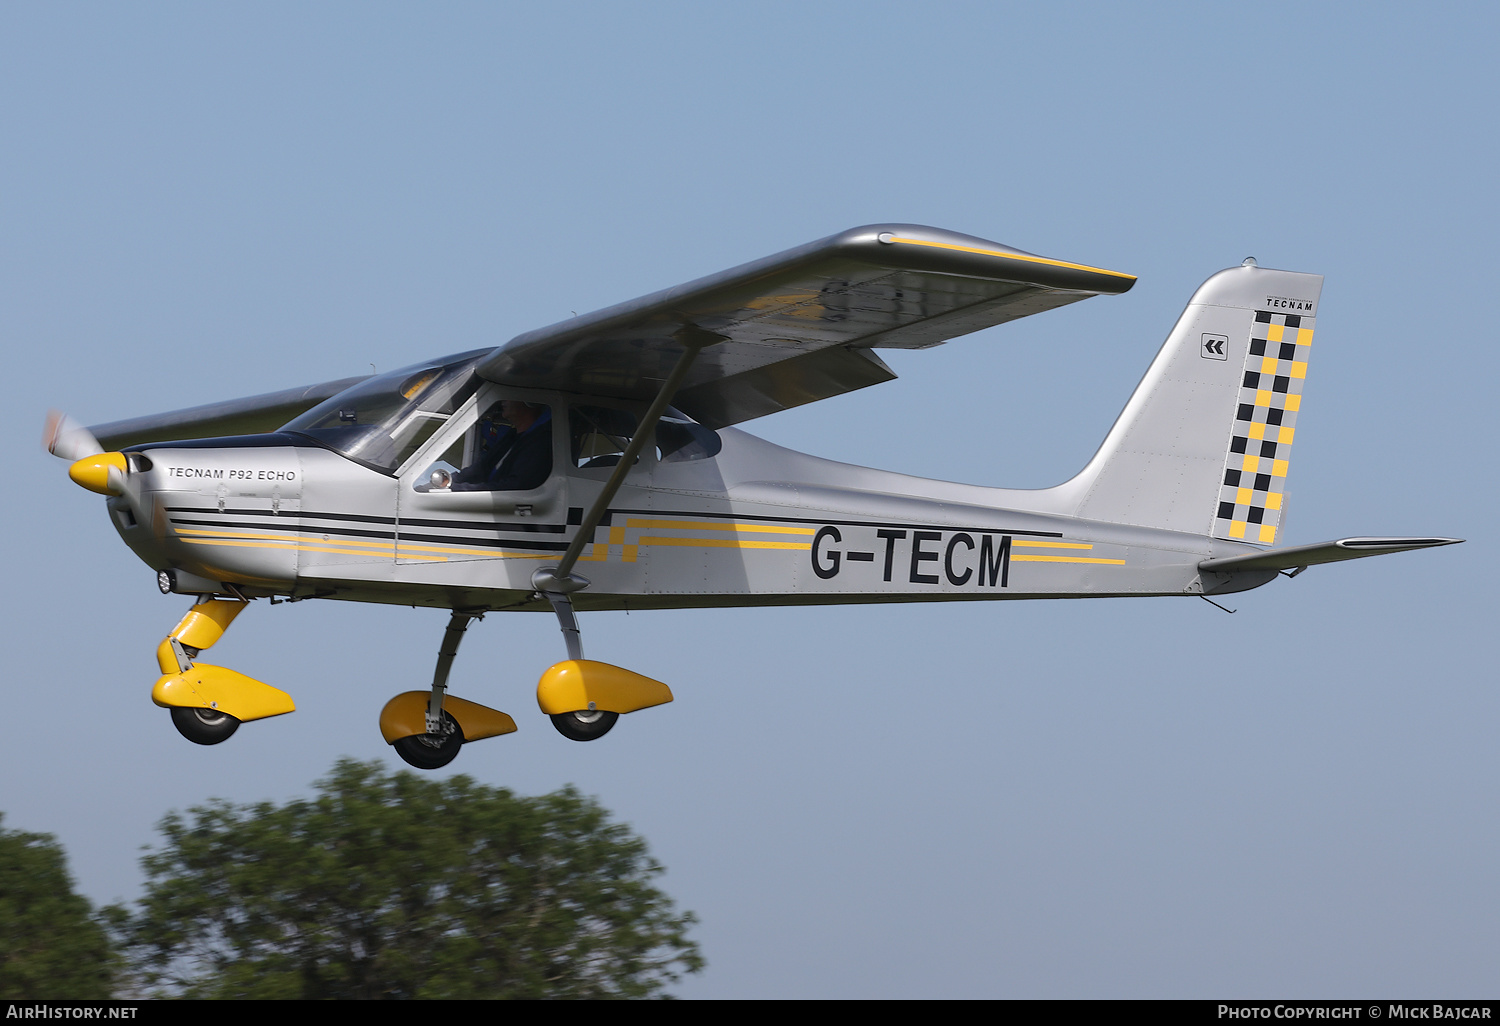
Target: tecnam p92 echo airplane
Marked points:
592	465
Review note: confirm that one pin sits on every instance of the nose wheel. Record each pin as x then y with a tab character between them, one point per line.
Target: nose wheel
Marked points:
584	726
204	726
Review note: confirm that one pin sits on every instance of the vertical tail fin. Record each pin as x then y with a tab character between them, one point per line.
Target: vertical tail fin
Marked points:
1204	444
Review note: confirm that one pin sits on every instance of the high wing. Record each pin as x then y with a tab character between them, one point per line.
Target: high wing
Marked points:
252	415
800	325
1303	556
786	330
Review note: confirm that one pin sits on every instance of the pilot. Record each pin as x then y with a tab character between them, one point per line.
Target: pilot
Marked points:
514	449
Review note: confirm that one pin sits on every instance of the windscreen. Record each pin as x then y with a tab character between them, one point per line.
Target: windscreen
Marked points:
383	420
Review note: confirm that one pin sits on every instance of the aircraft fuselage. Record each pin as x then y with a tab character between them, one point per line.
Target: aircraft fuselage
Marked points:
756	524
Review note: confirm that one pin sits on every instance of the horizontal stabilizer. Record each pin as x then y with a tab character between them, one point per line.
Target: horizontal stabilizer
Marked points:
1321	552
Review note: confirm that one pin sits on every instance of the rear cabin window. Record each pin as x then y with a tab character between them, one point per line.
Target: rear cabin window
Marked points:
600	434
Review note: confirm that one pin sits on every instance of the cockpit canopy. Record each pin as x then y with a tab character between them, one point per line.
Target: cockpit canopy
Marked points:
383	420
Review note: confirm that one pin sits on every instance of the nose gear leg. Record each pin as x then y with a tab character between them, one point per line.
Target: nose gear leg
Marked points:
203	625
208	703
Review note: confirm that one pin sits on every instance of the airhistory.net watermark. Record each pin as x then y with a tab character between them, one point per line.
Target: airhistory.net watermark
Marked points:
52	1010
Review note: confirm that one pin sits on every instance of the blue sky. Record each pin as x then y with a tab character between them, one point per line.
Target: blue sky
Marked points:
1091	799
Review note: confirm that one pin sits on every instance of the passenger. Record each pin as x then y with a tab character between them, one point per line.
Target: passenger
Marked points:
514	449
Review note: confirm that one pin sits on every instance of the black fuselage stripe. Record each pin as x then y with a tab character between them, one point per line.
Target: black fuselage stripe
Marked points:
306	532
466	525
469	525
841	523
349	532
358	518
454	525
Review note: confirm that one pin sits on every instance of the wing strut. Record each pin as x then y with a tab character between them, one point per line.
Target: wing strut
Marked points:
557	582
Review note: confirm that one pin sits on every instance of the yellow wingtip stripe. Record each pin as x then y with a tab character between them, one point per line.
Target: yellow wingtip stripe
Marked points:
1014	256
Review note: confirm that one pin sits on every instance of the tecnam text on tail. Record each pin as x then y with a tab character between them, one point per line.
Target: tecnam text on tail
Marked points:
593	465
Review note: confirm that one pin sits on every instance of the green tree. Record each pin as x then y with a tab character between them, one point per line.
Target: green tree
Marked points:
406	887
51	946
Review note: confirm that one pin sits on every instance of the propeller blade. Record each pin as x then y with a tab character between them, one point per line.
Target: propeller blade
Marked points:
69	439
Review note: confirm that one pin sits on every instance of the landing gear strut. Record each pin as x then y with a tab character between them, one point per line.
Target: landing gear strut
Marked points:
584	699
439	744
585	724
427	728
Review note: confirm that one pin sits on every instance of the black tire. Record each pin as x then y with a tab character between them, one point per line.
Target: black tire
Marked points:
204	726
584	726
431	751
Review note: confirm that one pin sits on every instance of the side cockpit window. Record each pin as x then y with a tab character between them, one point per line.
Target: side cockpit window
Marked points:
508	449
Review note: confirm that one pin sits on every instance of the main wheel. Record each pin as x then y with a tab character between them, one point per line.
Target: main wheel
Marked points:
431	751
204	726
584	726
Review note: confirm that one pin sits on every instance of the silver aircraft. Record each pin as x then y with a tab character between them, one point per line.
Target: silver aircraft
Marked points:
592	465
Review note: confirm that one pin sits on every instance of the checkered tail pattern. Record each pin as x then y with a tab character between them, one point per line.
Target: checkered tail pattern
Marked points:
1253	492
